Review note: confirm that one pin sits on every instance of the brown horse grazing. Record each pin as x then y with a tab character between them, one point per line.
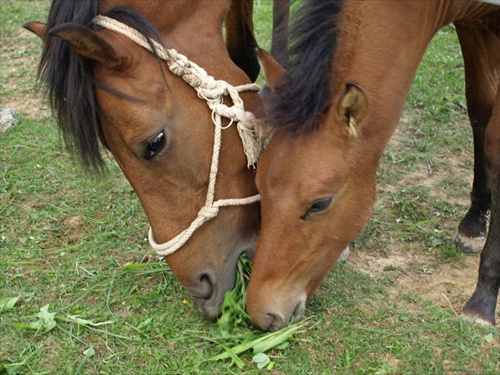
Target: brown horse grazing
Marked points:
352	64
108	90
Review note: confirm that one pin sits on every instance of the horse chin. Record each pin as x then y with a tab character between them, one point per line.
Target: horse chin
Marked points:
208	308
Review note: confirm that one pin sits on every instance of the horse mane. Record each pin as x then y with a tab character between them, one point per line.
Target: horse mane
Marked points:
69	82
304	95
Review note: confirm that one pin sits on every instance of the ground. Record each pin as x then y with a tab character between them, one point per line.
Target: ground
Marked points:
446	284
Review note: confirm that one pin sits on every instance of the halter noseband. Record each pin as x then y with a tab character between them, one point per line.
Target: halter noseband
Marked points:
213	92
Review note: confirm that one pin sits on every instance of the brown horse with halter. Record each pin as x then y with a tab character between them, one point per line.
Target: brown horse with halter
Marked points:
126	75
332	114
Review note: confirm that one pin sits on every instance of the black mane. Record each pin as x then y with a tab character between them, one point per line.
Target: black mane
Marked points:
298	104
69	82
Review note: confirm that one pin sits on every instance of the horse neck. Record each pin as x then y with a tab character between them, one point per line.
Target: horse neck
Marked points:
380	47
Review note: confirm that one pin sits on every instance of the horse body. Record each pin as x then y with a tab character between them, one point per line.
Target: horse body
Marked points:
107	89
317	177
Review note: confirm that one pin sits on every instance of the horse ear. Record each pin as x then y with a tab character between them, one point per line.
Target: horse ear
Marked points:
37	28
352	108
274	72
88	43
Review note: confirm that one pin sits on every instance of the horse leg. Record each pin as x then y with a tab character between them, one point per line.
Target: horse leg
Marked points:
482	304
279	42
480	49
480	90
240	37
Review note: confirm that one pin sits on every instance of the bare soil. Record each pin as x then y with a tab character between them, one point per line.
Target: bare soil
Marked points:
448	284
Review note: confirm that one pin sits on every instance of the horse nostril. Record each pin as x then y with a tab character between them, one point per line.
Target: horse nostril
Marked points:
206	295
273	322
205	287
298	312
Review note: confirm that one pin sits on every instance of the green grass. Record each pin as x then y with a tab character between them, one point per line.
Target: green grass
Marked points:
83	300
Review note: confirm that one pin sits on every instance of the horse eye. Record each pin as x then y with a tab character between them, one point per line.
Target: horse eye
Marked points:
318	206
154	146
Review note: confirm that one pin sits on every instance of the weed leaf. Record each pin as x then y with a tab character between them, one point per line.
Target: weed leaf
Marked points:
11	368
7	304
261	359
46	318
275	339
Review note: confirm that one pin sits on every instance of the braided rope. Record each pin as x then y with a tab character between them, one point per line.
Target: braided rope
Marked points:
213	92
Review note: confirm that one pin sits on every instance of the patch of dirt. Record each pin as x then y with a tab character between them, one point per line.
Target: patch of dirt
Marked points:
22	93
448	284
74	228
32	106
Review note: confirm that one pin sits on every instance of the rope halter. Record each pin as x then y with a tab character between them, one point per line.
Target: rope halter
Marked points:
213	92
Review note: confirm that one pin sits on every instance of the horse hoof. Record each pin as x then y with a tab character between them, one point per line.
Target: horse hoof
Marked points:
345	254
476	319
469	245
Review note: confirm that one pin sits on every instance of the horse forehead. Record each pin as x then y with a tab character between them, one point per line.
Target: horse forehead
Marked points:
293	161
137	84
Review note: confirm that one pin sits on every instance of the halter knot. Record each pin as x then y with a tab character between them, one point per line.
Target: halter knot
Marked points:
207	212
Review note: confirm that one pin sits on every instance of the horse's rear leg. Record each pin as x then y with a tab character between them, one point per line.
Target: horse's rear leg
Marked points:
480	90
482	63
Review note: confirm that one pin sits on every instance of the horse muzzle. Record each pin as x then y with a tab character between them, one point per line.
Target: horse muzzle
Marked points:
272	316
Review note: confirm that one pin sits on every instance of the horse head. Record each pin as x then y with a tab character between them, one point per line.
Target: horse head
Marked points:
108	90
